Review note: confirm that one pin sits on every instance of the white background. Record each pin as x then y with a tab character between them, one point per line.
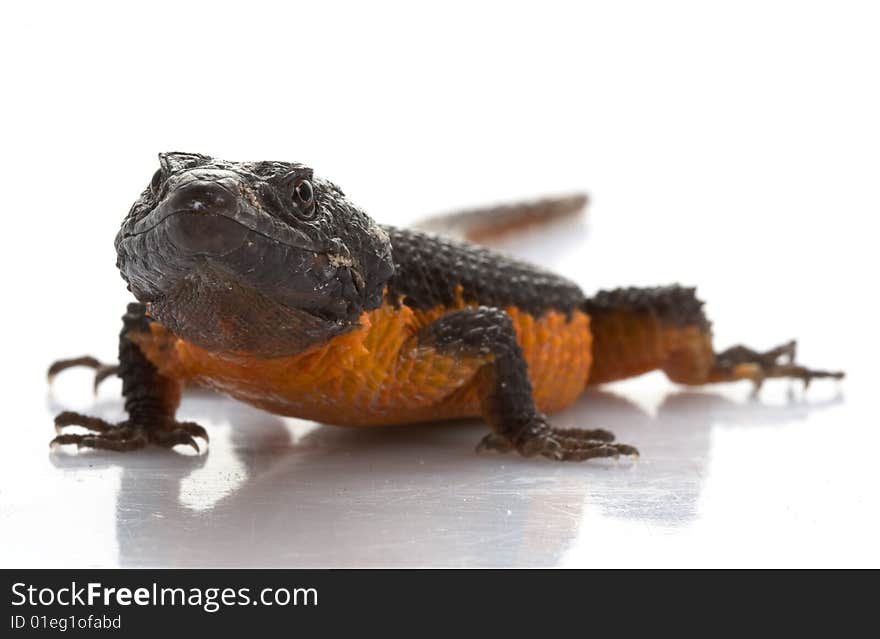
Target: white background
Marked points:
735	146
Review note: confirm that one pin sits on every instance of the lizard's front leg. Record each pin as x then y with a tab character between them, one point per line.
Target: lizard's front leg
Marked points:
505	392
151	400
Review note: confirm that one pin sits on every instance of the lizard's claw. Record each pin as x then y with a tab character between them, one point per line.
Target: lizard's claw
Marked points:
102	371
561	444
126	435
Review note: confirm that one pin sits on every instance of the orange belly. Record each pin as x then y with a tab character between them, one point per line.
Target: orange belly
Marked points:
378	374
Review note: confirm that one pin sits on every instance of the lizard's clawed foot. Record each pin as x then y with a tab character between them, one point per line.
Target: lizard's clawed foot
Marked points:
561	444
102	371
126	435
741	362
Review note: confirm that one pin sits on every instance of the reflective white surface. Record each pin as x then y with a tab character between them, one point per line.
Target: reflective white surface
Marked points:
735	150
723	479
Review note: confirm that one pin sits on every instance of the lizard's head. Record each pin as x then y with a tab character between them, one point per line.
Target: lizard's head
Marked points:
261	257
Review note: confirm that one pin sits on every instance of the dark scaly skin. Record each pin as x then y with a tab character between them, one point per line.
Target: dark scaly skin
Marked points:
250	264
428	270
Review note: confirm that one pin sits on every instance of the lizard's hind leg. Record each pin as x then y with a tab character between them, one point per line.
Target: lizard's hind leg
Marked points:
741	362
505	392
636	330
151	399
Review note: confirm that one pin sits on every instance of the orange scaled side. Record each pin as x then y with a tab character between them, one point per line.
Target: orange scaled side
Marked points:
379	374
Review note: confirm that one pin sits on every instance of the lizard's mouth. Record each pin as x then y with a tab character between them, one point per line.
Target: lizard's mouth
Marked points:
207	233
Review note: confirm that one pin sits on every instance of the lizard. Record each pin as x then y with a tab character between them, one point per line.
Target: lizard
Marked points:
263	281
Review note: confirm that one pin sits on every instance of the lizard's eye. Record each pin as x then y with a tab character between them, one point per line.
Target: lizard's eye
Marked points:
156	182
305	196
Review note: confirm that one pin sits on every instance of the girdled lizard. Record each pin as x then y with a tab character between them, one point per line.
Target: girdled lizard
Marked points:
263	281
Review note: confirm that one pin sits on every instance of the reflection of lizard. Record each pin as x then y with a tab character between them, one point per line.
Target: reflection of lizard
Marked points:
264	282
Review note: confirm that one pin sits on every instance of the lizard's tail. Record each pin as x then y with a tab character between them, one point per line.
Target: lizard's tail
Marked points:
483	225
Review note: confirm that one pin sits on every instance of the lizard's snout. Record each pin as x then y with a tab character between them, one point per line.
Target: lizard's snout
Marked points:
201	217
